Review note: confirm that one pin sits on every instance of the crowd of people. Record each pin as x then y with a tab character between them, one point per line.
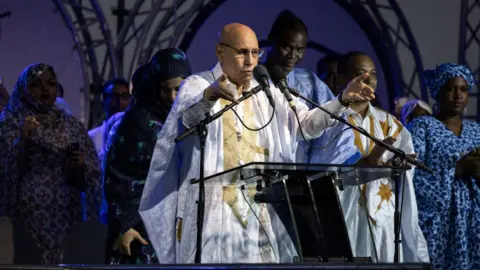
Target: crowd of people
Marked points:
129	172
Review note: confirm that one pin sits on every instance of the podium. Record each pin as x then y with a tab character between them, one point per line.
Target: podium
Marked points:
282	212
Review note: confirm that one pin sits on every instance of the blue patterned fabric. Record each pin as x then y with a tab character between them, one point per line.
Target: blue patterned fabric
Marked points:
436	78
449	208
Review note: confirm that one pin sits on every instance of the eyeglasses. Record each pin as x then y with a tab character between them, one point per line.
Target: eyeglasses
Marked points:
256	53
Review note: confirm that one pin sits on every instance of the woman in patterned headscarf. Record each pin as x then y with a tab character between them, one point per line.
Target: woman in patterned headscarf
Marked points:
128	157
47	161
449	199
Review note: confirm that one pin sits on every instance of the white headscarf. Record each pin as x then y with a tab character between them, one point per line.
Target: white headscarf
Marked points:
410	106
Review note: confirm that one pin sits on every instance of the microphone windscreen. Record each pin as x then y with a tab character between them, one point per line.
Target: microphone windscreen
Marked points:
277	73
260	72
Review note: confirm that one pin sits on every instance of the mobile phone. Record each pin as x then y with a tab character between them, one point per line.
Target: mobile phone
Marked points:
72	147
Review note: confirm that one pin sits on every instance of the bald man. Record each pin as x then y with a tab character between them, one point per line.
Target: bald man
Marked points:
232	233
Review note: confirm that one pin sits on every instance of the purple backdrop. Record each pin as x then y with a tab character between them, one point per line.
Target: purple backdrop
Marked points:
327	22
35	33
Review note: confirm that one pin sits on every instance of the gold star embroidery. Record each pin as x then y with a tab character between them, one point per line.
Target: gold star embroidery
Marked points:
385	194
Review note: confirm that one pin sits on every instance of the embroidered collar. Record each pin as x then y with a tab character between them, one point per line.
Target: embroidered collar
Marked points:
371	110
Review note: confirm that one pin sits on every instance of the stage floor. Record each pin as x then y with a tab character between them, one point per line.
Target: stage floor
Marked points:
228	266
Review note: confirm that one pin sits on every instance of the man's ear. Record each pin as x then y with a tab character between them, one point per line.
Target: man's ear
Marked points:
219	52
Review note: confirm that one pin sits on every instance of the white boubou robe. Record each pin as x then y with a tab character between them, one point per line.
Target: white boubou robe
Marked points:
232	234
379	197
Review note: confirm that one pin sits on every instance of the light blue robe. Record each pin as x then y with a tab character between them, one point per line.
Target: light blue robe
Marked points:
337	142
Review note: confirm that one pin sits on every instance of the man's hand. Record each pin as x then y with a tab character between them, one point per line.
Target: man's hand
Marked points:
123	242
375	156
402	162
219	89
357	90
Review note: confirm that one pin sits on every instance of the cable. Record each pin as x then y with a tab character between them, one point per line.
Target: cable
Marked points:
311	145
331	140
255	129
300	126
259	222
401	204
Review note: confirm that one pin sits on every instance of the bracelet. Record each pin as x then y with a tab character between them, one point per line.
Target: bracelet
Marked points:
342	102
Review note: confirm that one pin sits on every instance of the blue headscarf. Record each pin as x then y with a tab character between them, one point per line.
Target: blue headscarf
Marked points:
437	78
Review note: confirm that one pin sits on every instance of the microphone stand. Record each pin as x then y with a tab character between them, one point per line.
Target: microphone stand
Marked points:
201	130
397	177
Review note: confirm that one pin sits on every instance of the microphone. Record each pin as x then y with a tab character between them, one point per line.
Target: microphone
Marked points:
260	74
279	79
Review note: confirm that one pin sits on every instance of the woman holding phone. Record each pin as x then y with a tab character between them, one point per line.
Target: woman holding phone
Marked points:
47	161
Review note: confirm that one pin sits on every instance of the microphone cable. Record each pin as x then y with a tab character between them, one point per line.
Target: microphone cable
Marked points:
255	129
308	142
242	188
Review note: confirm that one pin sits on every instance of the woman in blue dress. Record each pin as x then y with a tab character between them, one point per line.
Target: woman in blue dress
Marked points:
449	199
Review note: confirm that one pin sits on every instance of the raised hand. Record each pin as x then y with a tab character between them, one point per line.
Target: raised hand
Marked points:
219	89
357	90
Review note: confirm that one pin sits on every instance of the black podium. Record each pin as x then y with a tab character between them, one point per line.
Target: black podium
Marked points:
306	218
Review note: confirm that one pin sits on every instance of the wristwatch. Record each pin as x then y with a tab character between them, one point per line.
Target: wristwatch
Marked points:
342	102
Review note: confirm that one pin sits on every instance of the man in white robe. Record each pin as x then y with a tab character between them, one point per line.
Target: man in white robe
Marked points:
232	233
369	208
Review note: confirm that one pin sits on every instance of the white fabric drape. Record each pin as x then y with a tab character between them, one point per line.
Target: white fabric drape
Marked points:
380	198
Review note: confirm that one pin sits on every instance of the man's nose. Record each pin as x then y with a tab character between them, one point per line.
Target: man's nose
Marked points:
290	54
248	59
